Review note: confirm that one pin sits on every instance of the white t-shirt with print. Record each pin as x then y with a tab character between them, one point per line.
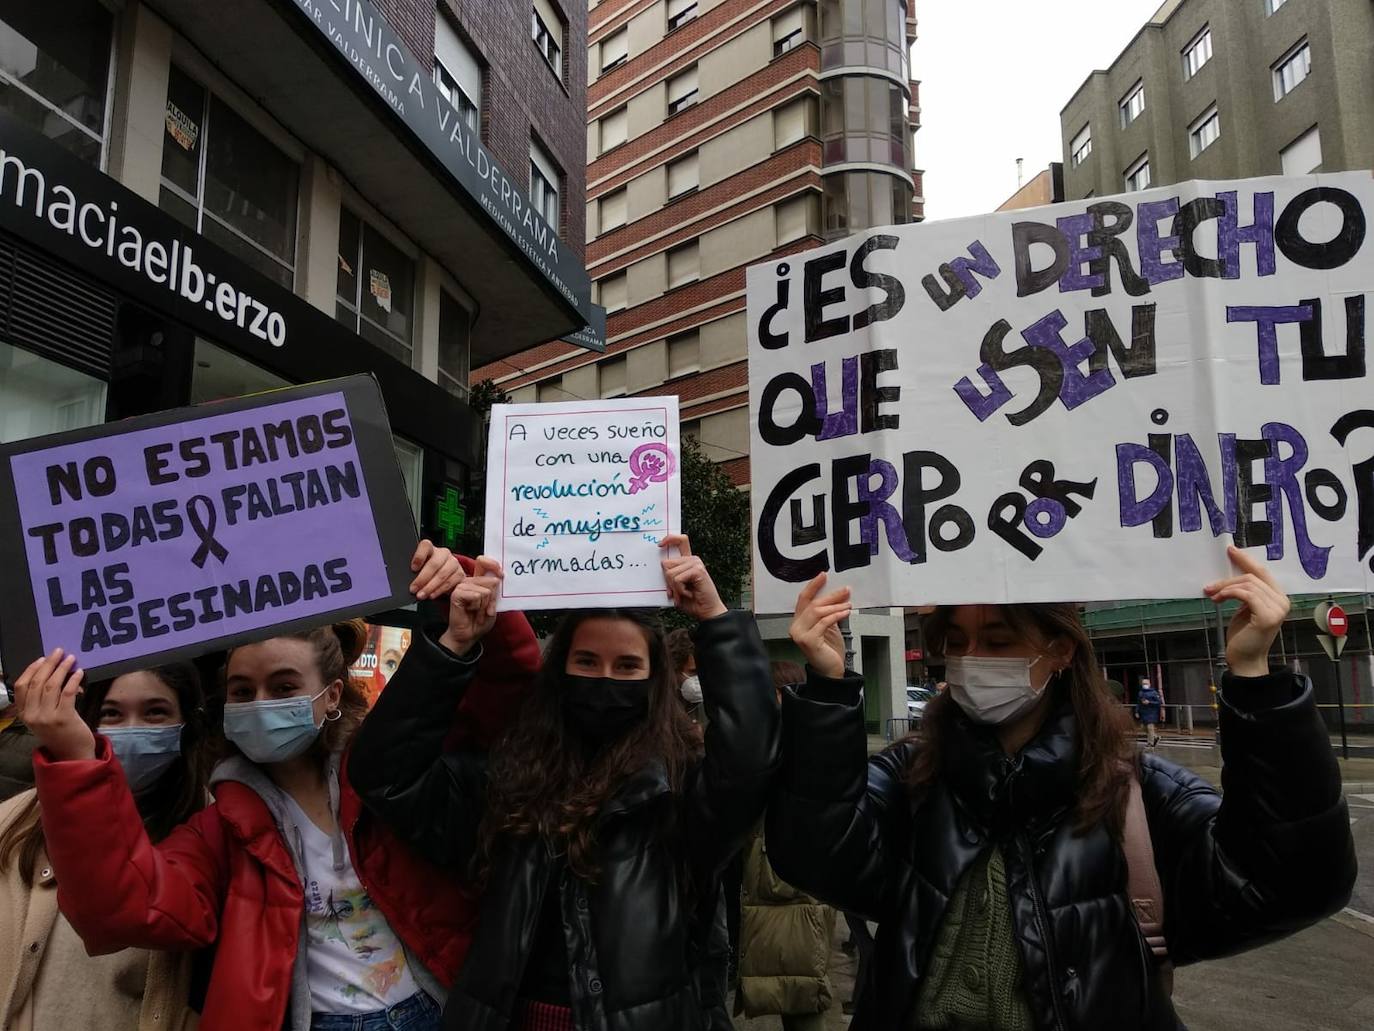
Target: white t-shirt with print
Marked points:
355	962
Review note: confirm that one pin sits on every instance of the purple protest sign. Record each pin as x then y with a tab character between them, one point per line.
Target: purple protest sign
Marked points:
209	525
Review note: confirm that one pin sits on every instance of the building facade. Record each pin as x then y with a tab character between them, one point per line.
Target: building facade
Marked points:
204	200
1046	188
1227	89
722	133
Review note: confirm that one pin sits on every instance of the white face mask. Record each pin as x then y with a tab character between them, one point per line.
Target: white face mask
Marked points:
992	691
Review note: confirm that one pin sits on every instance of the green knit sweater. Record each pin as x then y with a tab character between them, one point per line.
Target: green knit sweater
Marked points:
974	978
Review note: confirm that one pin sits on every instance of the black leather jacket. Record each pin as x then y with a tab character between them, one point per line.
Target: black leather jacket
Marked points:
1276	855
636	946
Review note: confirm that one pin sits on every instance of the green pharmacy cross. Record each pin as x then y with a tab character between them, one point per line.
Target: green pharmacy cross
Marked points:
450	517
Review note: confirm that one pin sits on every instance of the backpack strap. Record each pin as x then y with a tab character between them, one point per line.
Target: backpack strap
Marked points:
1143	888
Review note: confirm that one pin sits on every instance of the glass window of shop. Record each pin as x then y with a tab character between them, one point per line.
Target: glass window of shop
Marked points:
455	327
225	180
55	70
412	460
865	118
376	288
39	396
862	200
864	34
220	373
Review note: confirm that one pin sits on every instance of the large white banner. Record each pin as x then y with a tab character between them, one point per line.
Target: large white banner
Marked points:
1080	402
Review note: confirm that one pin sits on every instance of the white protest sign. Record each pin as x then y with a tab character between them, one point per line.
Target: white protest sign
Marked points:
579	495
1075	403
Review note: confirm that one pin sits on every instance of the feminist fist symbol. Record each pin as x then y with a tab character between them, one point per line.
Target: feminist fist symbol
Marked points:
650	463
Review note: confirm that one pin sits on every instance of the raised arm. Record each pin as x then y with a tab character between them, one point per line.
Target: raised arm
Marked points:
1273	853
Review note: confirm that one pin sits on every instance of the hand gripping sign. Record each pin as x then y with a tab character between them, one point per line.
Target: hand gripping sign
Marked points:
158	538
579	494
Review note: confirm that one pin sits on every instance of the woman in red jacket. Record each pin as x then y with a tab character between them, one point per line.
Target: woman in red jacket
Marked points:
315	928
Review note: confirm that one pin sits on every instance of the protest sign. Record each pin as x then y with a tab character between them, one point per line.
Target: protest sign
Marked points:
1080	402
579	494
157	538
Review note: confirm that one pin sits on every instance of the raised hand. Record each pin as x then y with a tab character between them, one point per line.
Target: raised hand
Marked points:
690	586
1263	608
437	571
815	627
472	606
46	694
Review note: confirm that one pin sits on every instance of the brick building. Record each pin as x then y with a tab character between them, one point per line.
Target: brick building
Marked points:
397	187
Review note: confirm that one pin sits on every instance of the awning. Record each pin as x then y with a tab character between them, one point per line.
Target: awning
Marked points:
338	78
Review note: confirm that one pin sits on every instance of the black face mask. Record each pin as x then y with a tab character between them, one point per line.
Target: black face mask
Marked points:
601	710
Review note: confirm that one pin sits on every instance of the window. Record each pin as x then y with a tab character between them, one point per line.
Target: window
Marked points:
1292	69
852	201
790	219
1138	175
615	129
1274	5
865	119
615	49
684	354
613	210
682	91
1204	132
789	30
455	328
551	390
611	377
375	292
1304	154
1197	53
411	459
1082	146
683	175
39	396
457	73
544	183
220	373
546	28
790	123
680	12
684	265
1133	104
55	71
225	180
611	291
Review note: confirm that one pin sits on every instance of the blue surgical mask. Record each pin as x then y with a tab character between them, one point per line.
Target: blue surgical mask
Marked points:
272	731
145	753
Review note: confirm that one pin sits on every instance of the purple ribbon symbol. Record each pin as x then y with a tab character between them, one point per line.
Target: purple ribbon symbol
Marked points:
650	463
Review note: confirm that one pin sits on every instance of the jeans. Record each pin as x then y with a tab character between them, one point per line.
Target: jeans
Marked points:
418	1013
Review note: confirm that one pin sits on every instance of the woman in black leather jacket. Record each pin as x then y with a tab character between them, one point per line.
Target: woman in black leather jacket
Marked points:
596	826
989	847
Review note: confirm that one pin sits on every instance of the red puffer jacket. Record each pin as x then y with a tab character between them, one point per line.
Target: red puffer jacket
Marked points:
225	877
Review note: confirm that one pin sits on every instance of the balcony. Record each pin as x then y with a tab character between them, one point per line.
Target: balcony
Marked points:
914	110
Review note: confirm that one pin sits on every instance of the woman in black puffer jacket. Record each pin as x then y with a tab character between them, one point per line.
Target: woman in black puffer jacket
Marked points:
596	826
989	848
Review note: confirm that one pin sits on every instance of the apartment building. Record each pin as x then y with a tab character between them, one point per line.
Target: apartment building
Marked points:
200	200
1222	89
1046	187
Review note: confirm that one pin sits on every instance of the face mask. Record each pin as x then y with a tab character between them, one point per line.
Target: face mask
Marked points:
272	731
145	753
601	709
691	690
992	691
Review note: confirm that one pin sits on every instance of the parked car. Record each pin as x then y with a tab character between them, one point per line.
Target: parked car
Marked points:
916	699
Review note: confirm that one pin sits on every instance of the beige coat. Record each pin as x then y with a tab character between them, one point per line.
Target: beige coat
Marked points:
28	916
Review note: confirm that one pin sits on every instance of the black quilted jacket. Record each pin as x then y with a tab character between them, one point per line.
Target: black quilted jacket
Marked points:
1274	856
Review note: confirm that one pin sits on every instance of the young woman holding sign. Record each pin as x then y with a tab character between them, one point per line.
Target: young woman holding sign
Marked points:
318	921
597	824
154	721
1013	852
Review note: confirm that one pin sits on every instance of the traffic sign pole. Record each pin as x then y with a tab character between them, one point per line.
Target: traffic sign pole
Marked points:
1340	708
1331	620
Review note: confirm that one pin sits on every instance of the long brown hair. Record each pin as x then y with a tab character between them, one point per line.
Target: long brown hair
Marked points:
178	793
544	782
1106	759
337	647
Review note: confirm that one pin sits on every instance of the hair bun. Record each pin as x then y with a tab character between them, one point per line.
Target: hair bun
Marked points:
352	635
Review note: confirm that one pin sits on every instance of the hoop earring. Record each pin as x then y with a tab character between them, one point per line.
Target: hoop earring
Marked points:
333	715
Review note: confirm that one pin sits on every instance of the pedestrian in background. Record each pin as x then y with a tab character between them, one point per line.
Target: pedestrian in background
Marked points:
153	723
995	848
1149	709
16	747
785	934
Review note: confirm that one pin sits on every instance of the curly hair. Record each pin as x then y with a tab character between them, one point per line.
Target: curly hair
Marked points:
543	781
1106	759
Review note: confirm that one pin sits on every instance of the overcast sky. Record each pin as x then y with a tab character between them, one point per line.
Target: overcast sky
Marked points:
994	76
